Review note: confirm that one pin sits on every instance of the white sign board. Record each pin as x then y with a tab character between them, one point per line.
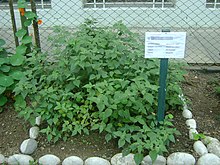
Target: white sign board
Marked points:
165	44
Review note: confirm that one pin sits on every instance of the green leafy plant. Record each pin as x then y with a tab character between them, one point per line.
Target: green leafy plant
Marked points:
10	71
100	81
11	64
198	136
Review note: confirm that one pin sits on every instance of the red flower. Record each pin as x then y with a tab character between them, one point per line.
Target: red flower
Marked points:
39	22
22	11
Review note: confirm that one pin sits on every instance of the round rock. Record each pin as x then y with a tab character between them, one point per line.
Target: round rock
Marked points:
38	120
72	160
49	159
200	148
28	146
208	159
191	123
214	147
2	159
96	161
159	161
118	159
180	158
209	139
34	132
20	159
187	114
191	133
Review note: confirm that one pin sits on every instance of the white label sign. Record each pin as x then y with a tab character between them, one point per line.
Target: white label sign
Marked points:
165	44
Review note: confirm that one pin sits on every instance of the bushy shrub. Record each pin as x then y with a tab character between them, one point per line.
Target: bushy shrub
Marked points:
100	81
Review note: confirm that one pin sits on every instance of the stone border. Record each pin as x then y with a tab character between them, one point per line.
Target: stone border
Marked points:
208	149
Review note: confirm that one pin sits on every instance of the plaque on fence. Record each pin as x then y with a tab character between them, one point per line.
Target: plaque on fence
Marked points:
165	44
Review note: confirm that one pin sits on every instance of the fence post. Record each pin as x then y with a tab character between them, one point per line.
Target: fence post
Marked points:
35	25
10	2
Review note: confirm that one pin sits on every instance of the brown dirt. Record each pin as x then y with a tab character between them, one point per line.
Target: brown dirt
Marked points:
198	88
204	103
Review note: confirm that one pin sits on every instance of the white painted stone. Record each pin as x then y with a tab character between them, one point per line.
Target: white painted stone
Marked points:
2	158
38	120
28	146
20	159
214	147
49	159
34	132
209	139
118	159
185	107
208	159
180	158
187	114
72	160
96	161
191	123
200	148
191	133
159	161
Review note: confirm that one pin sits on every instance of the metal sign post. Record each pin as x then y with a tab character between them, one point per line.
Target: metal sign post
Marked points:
164	45
162	87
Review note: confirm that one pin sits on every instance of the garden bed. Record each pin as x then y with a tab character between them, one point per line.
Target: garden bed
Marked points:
198	87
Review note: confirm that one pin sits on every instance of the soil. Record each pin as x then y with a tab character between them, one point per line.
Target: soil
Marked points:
198	88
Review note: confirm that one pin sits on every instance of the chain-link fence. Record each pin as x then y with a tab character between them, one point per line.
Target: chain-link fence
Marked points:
200	19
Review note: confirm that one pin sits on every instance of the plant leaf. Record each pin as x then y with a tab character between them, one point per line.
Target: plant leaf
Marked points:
150	98
107	113
21	33
3	100
22	4
153	155
121	143
16	74
108	137
30	15
138	158
20	102
172	138
26	40
5	68
3	61
16	59
6	81
28	22
21	49
2	42
2	89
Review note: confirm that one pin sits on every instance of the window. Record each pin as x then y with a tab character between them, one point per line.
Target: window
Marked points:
39	4
129	3
213	4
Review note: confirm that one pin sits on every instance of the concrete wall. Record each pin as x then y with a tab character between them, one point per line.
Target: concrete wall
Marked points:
187	13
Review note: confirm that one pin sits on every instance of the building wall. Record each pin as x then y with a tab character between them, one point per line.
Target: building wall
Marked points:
187	13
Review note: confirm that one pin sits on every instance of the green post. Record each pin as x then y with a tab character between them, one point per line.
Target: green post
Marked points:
162	87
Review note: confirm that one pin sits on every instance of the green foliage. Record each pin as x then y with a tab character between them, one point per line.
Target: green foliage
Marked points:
10	72
198	136
100	81
11	64
217	89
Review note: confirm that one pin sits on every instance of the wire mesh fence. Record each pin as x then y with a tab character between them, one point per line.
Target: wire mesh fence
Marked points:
200	19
